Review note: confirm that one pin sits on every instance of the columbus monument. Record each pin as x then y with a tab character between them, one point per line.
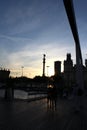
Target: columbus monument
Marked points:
79	63
44	61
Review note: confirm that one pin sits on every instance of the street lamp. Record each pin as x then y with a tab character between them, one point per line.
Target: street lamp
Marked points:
22	70
47	70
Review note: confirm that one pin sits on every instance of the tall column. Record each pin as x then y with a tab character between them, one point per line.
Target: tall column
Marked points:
72	21
44	60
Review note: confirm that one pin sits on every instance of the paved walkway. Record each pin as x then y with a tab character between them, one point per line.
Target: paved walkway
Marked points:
62	114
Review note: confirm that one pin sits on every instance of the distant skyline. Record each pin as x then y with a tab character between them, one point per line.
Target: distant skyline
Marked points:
31	28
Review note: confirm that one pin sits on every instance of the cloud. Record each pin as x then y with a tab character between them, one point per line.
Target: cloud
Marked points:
30	28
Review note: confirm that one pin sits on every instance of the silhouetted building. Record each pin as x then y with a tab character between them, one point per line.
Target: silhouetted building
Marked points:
4	74
85	74
69	73
57	67
68	63
86	62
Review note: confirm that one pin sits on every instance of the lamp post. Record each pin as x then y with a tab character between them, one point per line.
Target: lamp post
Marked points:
48	70
22	70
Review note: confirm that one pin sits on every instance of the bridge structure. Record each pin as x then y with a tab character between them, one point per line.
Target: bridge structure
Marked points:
79	62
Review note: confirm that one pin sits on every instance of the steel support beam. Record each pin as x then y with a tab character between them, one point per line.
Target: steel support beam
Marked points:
72	21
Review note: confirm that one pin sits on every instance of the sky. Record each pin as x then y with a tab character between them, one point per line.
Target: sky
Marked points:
31	28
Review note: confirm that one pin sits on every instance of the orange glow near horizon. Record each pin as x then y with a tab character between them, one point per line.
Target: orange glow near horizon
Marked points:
31	72
50	71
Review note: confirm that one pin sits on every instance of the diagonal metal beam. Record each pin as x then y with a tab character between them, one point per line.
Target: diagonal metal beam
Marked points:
72	21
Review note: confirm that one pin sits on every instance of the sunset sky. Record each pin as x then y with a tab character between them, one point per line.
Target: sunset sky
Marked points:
31	28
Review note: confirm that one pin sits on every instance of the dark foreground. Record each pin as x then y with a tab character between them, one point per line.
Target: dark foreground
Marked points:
62	114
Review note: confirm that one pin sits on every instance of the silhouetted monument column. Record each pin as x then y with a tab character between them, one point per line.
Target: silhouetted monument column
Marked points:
79	63
44	64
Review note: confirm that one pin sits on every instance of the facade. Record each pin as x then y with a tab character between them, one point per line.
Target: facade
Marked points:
4	74
57	67
85	74
69	73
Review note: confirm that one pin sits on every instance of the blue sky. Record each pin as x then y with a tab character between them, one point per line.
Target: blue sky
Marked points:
30	28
